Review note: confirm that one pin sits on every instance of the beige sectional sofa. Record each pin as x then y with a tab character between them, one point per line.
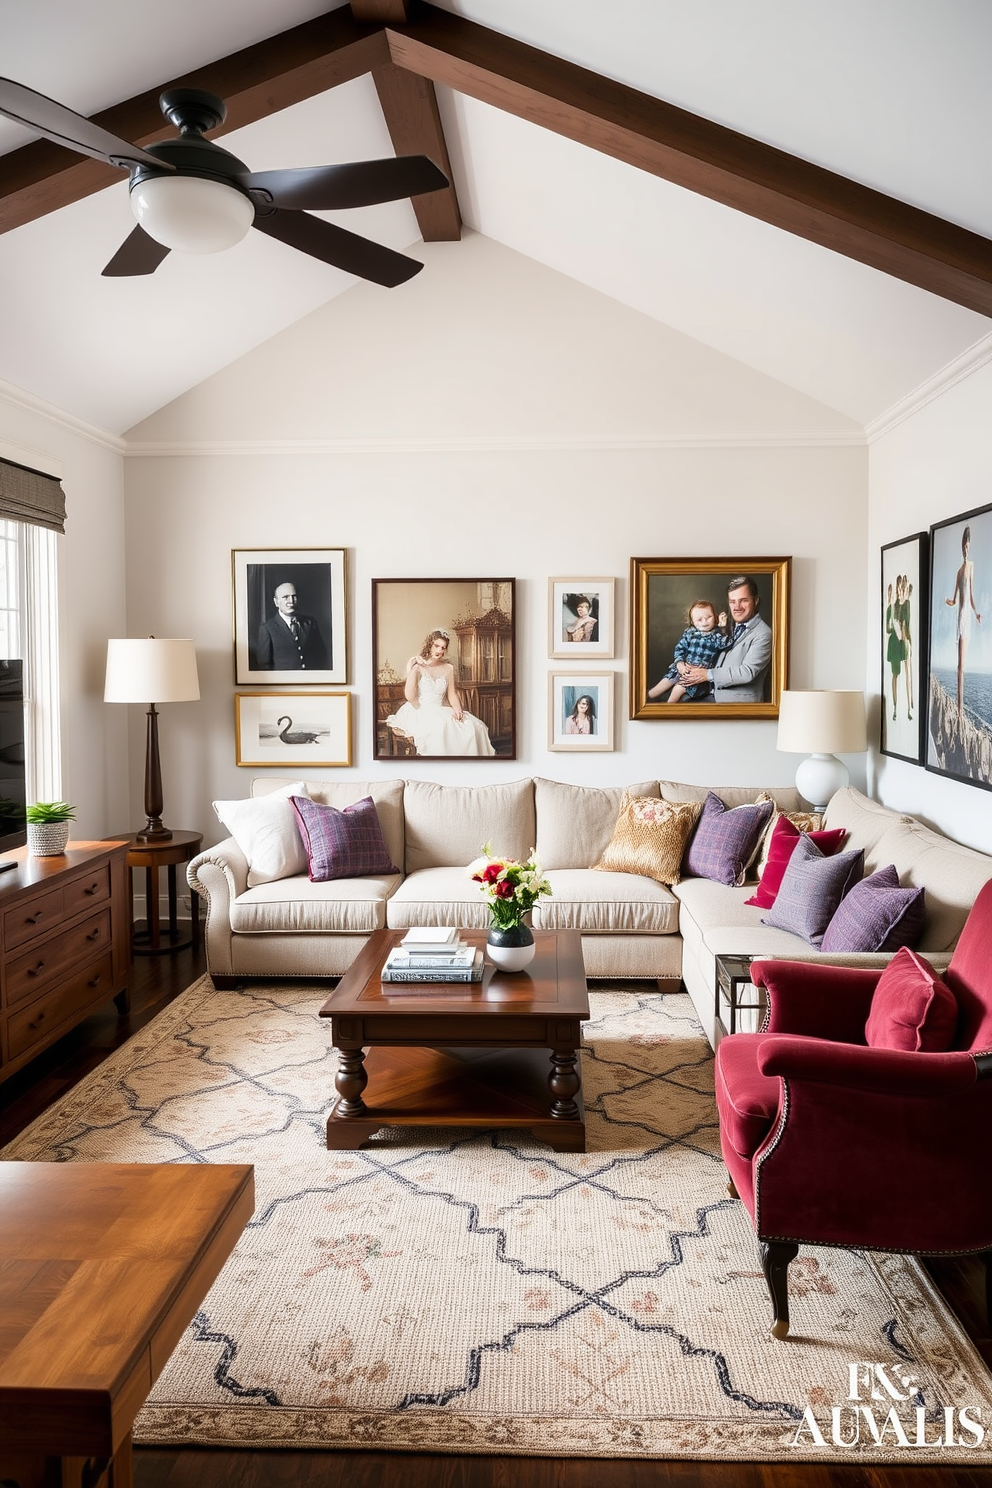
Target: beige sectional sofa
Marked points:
631	926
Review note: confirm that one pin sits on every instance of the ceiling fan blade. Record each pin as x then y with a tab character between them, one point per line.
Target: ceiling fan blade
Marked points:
345	250
138	254
360	184
61	124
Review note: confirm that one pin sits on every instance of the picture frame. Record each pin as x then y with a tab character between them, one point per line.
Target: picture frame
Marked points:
581	619
662	592
568	720
266	651
320	722
959	663
904	632
464	632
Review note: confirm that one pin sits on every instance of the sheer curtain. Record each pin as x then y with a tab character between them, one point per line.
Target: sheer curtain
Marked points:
39	616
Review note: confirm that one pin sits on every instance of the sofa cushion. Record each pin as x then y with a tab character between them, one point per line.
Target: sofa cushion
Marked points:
354	906
266	832
449	824
864	820
877	915
784	836
746	1099
951	874
604	902
911	1008
575	822
342	844
785	797
812	887
387	795
649	838
438	896
725	840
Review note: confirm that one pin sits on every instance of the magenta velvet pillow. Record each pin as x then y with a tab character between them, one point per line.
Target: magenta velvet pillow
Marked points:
725	840
785	835
342	844
912	1008
877	915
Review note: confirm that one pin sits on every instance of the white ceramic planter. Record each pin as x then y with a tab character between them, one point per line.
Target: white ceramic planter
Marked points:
47	839
511	950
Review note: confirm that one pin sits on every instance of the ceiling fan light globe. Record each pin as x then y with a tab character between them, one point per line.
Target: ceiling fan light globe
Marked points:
190	213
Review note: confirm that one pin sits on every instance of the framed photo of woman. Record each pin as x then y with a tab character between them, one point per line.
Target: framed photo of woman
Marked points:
903	637
580	711
959	686
290	613
581	619
444	676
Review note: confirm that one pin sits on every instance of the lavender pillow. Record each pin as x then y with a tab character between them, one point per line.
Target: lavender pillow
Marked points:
342	844
812	888
877	915
725	840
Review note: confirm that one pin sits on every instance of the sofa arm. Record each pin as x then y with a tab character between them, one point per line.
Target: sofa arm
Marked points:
219	875
810	997
854	1067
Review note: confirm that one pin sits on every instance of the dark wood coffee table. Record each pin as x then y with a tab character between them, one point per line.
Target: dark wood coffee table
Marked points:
466	1055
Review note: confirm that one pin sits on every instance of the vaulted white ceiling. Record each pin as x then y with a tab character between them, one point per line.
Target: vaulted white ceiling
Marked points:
891	93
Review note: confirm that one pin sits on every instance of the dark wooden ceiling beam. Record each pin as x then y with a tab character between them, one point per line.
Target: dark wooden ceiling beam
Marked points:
259	80
704	157
409	107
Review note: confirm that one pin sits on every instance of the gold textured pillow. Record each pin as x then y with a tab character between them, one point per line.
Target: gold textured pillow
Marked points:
806	821
650	837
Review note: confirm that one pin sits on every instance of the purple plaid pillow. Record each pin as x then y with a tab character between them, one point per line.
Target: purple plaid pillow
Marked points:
812	888
877	915
342	844
725	840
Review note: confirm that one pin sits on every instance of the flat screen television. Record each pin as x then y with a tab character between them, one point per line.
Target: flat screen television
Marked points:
13	802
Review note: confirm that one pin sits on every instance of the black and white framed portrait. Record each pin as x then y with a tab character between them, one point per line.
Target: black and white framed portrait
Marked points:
290	615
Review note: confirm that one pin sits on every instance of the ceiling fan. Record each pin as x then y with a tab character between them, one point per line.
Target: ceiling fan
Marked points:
190	194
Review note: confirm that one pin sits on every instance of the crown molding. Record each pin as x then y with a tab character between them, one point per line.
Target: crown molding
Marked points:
32	404
941	382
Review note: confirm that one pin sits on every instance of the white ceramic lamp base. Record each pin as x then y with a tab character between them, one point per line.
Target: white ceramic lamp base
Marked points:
819	777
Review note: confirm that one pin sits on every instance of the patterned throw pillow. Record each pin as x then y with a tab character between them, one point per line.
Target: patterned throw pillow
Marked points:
812	887
803	821
783	839
650	838
877	915
912	1008
342	844
725	840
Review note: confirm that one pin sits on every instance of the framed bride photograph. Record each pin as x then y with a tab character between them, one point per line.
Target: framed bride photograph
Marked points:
443	668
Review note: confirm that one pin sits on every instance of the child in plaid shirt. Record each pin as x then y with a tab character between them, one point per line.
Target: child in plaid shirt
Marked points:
699	645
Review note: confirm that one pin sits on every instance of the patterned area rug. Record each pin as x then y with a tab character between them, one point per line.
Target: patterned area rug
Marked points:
472	1292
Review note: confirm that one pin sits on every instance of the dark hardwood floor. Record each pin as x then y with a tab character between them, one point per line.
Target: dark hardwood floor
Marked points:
155	982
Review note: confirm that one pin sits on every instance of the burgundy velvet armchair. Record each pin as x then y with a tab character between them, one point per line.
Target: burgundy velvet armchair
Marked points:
831	1142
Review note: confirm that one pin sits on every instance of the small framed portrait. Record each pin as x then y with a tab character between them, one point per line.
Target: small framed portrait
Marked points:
902	643
959	683
290	616
581	619
580	711
709	637
292	729
444	668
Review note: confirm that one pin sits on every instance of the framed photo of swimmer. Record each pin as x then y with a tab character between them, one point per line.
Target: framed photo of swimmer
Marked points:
580	711
580	617
444	668
904	628
709	637
959	665
292	729
290	616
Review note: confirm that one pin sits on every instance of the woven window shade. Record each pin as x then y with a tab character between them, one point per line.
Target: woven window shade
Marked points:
29	496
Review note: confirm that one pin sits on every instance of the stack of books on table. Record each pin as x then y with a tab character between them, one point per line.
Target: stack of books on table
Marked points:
433	954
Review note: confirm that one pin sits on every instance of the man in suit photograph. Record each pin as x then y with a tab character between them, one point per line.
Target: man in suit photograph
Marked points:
740	674
290	641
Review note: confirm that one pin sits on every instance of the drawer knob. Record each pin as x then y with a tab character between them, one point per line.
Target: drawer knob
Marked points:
94	888
33	919
94	934
94	981
38	1021
34	970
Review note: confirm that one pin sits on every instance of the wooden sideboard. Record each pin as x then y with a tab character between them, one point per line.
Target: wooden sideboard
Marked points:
65	945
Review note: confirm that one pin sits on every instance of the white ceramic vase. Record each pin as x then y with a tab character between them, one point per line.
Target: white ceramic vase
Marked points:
511	949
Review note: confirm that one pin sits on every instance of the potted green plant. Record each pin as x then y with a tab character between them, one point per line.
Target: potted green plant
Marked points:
48	827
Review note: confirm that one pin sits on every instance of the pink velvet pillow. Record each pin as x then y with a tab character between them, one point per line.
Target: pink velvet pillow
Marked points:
912	1008
785	835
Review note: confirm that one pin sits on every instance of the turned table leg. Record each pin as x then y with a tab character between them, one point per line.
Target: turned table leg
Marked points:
350	1080
564	1083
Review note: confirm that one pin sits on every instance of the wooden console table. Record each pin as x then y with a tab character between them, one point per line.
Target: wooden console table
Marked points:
102	1266
64	945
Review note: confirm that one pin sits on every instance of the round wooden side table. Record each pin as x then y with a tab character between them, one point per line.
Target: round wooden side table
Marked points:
181	847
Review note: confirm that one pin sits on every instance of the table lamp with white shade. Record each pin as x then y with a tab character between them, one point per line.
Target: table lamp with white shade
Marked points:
151	671
821	725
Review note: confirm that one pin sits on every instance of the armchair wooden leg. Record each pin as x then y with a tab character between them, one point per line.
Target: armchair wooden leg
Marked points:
775	1258
732	1188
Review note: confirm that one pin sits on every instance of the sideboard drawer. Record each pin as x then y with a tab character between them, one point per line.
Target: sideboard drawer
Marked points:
29	974
36	1023
32	917
84	893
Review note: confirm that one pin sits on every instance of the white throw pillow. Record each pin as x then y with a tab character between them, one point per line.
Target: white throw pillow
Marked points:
265	830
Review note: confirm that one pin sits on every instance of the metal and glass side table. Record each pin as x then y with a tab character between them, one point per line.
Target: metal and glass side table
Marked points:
739	1006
